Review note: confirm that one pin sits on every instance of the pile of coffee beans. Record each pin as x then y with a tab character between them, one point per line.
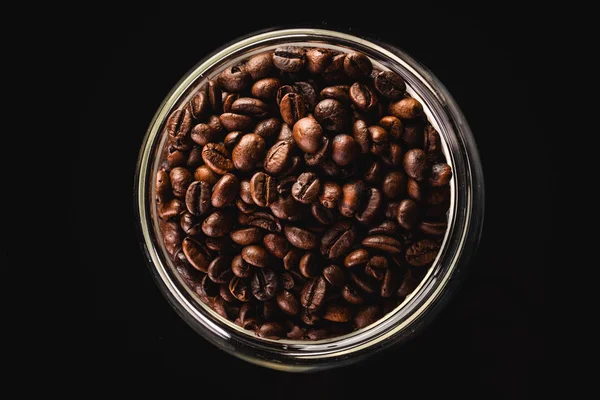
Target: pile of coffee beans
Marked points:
303	193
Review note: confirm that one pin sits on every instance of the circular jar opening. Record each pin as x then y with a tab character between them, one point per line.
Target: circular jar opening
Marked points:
435	286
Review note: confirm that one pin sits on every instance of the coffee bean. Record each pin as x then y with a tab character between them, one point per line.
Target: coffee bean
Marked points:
226	294
262	189
357	65
361	135
387	227
416	164
285	133
171	209
306	188
440	175
364	283
176	158
370	207
203	134
394	184
413	134
352	295
390	84
317	60
408	285
313	294
374	173
180	179
307	134
179	123
338	240
232	139
190	224
384	243
255	255
234	79
172	236
277	245
264	284
271	330
390	283
340	93
266	88
163	186
228	101
261	220
289	58
356	258
352	195
407	108
250	106
236	122
330	193
322	215
437	195
344	149
422	253
407	214
332	115
366	315
287	281
247	236
225	190
337	312
321	155
217	224
216	157
282	91
309	265
432	145
240	289
334	275
295	165
248	152
301	238
205	174
207	289
219	270
415	190
285	208
363	97
199	105
197	198
393	158
288	303
244	207
196	253
292	108
308	93
379	140
194	159
334	73
241	268
217	244
393	126
260	66
291	261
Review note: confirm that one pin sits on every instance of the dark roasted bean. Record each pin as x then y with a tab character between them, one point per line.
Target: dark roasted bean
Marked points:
264	284
338	240
384	243
422	253
262	189
306	189
197	198
407	108
225	191
390	84
301	238
289	58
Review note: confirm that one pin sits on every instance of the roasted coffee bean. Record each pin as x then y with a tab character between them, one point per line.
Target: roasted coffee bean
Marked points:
214	94
320	156
176	158
337	312
197	198
387	227
203	134
285	208
277	245
291	261
294	167
357	65
264	284
236	122
413	134
416	164
241	268
432	145
340	93
332	115
394	184
313	294
266	88
334	275
338	240
180	179
232	139
225	191
440	175
171	209
292	108
248	152
363	97
437	195
393	126
371	206
374	173
352	295
408	285
296	333
422	253
330	194
234	79
308	93
334	73
262	189
407	108
190	224
361	135
288	303
207	289
256	256
317	60
228	101
390	283
260	66
247	236
285	133
172	236
375	273
205	174
261	220
356	258
250	106
365	316
240	289
271	330
194	159
390	84
244	207
393	158
301	238
415	190
379	138
268	128
287	281
199	105
352	195
306	189
219	270
407	214
282	91
245	193
217	224
364	283
197	254
218	244
384	243
226	294
307	134
216	157
322	214
309	265
344	150
289	58
433	228
179	123
164	190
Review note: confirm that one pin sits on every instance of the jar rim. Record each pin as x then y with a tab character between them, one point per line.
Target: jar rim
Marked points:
443	278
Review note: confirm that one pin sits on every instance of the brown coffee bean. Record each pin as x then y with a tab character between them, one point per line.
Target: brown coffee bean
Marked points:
307	134
394	184
205	174
416	164
364	283
248	152
234	79
407	214
236	122
351	294
384	243
180	179
363	97
179	123
433	228
340	93
387	227
203	134
357	65
241	268
361	135
374	173
217	244
393	126
288	303
390	84
320	156
308	93
278	157
226	294
338	240
250	106
330	193
282	91
261	220
408	285
356	258
440	175
344	150
217	224
240	289
256	256
393	158
422	253
287	281
301	238
225	191
289	58
432	145
407	108
334	73
286	208
352	195
260	66
291	261
216	157
390	283
199	106
245	194
268	128
332	115
264	284
313	294
277	245
171	209
266	88
334	275
262	189
415	190
190	224
228	101
176	158
172	236
370	207
271	330
164	191
244	207
197	198
194	159
219	270
366	315
317	60
309	265
247	236
197	254
322	215
337	312
292	108
306	188
379	138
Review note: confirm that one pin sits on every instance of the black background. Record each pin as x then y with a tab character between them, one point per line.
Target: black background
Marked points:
486	343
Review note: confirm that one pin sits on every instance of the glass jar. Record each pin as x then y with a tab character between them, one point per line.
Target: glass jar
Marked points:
465	216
